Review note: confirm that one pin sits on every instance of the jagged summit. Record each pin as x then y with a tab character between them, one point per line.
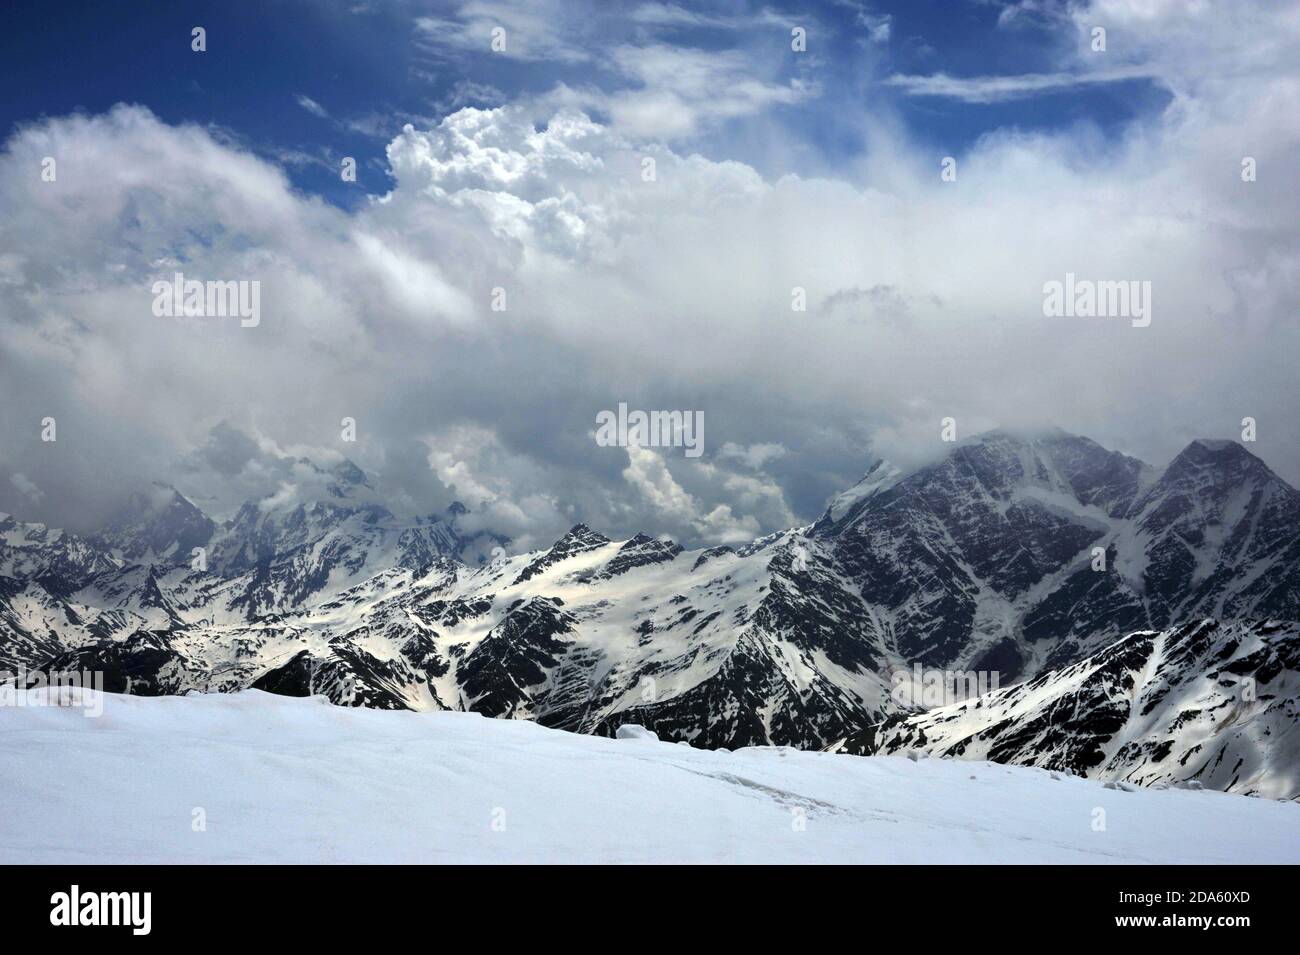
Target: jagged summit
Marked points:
578	540
880	476
584	534
1222	457
348	480
162	524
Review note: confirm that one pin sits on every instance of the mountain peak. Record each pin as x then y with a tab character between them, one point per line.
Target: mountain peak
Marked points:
1023	434
581	533
578	540
879	476
160	523
1216	446
347	476
1229	458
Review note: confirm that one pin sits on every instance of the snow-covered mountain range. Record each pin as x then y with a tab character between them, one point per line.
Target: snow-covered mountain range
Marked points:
1024	556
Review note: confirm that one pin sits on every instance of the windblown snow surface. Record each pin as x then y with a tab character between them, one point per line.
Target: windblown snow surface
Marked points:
252	777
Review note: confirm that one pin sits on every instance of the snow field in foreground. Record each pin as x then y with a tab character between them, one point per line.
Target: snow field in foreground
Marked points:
251	777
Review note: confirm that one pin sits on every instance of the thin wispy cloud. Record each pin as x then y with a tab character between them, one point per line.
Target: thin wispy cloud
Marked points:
1001	89
313	107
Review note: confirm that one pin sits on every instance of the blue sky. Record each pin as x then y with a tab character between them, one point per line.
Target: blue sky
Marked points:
779	174
368	67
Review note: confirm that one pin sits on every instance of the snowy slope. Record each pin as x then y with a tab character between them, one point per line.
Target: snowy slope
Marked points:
1209	703
274	779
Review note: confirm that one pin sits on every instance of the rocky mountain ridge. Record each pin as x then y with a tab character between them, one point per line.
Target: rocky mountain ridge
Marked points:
1015	555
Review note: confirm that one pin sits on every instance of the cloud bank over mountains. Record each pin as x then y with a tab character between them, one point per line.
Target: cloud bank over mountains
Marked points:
924	297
